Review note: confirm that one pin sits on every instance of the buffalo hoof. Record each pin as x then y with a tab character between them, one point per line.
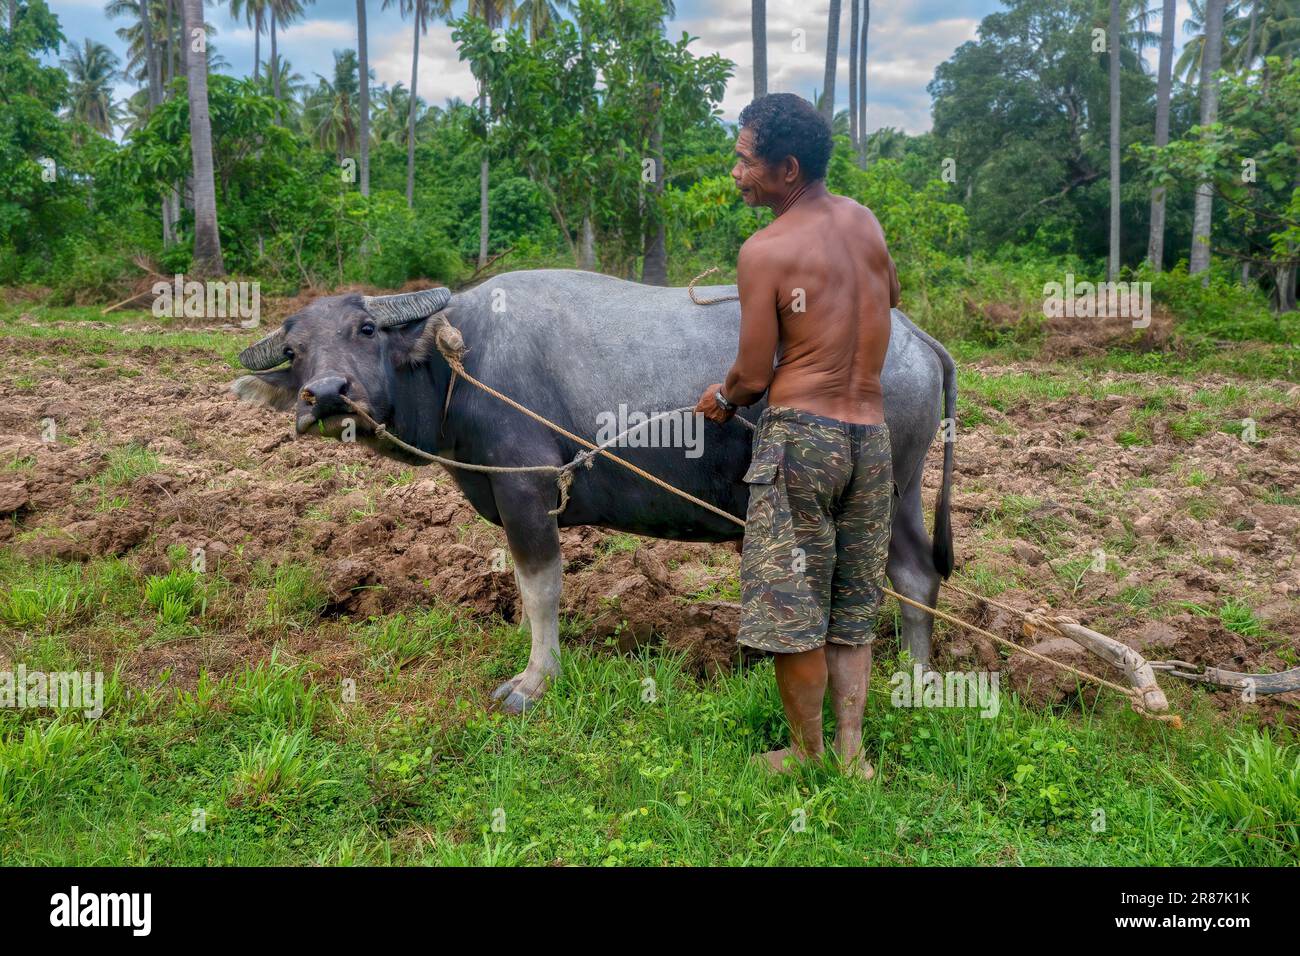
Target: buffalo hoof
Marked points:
516	703
514	694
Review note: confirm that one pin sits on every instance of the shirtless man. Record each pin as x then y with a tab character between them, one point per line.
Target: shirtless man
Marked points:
818	283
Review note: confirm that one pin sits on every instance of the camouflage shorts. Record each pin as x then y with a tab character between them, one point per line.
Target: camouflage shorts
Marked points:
817	532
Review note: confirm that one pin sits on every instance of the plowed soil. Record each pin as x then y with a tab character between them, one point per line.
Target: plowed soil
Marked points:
1188	519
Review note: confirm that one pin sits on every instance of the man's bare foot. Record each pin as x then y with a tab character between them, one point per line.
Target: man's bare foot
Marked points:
784	760
852	760
858	767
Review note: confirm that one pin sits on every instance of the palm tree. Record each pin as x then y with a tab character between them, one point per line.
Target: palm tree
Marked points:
391	117
493	13
254	14
291	82
1272	29
207	238
150	43
841	125
832	59
1164	87
862	82
654	259
364	105
1113	32
283	13
758	27
1202	219
538	15
855	17
1241	57
292	86
330	112
163	37
887	142
92	69
1189	61
142	48
421	12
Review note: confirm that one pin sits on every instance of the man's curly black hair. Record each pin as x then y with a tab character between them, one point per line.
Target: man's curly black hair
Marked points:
784	125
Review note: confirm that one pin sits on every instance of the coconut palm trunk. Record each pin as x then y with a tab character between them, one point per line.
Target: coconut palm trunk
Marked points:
862	83
1113	31
654	265
832	61
855	17
587	247
363	58
1164	89
758	27
275	62
171	203
257	44
484	182
207	238
410	113
1202	219
152	68
1250	36
150	56
168	70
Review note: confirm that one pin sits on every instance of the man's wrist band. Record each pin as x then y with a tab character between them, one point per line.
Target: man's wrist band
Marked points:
722	401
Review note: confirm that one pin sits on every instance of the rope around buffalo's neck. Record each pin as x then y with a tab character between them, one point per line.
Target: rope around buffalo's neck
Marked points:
453	349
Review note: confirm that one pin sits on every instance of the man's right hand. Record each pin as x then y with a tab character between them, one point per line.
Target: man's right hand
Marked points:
708	405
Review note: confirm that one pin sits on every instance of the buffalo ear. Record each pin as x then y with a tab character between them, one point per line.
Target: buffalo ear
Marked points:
275	389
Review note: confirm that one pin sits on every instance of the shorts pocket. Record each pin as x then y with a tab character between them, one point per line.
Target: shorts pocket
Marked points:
761	472
765	464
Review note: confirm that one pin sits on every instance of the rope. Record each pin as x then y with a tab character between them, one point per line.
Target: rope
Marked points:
690	290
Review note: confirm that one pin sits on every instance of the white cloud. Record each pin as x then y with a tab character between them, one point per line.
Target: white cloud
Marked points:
442	74
900	61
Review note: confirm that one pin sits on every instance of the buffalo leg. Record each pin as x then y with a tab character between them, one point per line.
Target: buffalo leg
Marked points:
534	543
911	570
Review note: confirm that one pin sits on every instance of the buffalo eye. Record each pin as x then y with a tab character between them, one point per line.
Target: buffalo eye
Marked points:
367	328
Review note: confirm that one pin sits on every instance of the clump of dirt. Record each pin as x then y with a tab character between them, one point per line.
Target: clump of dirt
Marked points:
1070	337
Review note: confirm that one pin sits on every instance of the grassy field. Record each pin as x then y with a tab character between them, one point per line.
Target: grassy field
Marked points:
248	720
628	761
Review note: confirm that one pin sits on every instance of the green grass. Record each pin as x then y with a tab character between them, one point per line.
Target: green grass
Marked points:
42	606
270	764
295	593
1237	616
124	465
83	332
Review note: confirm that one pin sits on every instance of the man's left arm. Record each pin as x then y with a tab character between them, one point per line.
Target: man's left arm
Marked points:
751	374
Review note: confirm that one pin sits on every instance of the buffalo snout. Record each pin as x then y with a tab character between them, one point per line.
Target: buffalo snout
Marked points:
322	398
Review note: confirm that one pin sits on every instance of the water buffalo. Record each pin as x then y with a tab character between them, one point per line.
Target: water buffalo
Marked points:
574	346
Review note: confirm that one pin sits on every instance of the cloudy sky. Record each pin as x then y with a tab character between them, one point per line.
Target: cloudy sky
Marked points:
908	39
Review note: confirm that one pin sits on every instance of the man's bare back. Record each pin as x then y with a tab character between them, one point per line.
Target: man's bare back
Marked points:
816	286
834	284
